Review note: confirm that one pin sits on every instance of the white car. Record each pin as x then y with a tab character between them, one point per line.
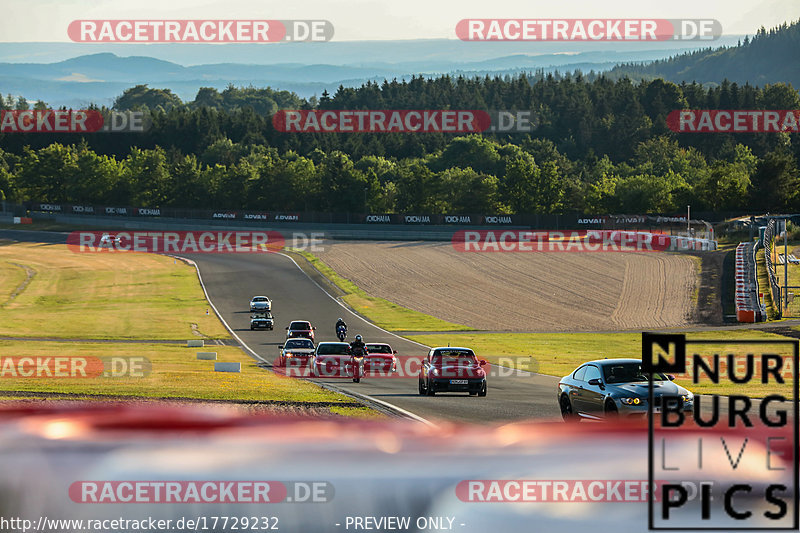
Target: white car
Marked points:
260	303
109	240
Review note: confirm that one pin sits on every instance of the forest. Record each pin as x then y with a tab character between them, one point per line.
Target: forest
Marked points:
600	146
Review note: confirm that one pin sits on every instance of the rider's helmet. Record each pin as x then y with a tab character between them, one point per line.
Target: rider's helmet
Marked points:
339	320
358	338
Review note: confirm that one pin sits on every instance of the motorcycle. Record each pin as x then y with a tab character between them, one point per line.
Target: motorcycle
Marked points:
341	332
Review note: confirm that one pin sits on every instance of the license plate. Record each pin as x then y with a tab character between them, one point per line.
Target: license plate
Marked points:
459	381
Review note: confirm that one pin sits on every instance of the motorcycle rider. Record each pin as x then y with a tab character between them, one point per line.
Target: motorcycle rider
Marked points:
357	349
340	322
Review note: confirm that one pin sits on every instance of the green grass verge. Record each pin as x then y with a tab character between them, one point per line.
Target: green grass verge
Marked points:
11	277
175	373
383	313
557	354
101	296
128	296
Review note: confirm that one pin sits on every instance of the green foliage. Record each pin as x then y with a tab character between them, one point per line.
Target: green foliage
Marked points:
600	146
142	97
770	55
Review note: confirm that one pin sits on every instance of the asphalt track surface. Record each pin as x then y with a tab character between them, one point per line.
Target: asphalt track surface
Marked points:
232	279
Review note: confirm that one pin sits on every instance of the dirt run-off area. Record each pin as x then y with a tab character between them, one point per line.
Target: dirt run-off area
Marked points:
548	292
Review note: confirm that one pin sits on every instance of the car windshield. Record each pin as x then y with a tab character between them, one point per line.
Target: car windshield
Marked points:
260	299
300	325
299	343
454	357
628	373
333	349
379	348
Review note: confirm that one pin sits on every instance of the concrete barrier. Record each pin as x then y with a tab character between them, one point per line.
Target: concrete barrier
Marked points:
207	356
227	367
195	344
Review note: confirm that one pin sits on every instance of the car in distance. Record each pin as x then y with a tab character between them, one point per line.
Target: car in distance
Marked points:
262	320
380	358
447	369
616	387
331	359
108	240
296	352
260	303
300	328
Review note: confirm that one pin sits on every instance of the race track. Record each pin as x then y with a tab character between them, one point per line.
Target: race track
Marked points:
231	280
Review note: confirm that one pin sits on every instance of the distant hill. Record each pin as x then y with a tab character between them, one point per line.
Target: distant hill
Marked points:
99	73
769	57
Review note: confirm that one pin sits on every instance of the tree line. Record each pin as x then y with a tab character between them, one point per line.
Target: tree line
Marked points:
600	146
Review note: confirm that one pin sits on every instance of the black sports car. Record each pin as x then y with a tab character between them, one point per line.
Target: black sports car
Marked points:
611	387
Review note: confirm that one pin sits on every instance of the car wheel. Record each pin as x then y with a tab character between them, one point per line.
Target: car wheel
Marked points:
429	388
567	413
421	388
482	392
611	409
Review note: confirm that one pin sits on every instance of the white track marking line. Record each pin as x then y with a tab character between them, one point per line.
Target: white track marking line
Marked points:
216	311
518	370
290	258
405	412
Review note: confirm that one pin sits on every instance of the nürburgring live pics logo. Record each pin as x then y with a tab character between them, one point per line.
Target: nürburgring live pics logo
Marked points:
751	449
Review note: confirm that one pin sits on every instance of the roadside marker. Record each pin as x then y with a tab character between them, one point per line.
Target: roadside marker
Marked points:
227	367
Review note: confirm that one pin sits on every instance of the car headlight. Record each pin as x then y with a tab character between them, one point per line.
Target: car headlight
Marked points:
631	401
687	398
434	372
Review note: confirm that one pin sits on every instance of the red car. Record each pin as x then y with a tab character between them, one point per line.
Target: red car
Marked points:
447	369
380	358
331	360
300	328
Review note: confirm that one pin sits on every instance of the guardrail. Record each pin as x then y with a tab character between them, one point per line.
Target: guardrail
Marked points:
298	235
775	288
748	303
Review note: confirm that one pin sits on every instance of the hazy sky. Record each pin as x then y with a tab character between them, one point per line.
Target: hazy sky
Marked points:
47	20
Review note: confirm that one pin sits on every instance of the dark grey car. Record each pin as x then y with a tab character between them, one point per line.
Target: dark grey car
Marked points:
609	387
